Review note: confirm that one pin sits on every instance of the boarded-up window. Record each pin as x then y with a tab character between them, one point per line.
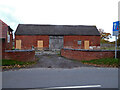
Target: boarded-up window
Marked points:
86	44
18	44
40	44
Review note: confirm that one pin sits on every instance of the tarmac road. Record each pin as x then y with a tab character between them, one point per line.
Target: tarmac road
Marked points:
56	77
56	61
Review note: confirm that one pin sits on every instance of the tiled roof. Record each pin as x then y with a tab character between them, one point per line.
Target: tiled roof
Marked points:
36	29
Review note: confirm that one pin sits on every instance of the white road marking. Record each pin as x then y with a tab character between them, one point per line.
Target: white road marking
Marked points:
70	87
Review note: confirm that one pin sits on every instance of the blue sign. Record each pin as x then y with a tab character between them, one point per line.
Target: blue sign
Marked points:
116	26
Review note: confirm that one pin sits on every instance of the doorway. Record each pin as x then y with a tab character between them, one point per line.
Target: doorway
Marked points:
55	42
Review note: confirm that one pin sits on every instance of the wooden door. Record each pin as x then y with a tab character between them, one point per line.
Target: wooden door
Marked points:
40	44
55	42
18	44
86	44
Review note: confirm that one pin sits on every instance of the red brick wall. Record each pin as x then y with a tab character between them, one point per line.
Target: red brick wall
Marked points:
86	54
72	41
25	55
4	30
69	41
28	41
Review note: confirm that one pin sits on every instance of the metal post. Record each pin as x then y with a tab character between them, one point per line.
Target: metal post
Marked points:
115	46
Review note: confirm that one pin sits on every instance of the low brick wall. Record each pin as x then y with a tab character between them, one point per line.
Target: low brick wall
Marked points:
80	54
20	55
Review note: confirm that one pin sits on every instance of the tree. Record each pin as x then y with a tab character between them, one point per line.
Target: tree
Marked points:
104	35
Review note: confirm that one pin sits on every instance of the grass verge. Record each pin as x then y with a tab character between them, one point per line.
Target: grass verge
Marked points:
8	64
110	48
107	62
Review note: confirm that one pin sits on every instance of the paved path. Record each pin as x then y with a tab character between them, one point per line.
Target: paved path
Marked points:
49	77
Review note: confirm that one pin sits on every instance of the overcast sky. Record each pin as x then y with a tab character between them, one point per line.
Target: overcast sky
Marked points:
101	13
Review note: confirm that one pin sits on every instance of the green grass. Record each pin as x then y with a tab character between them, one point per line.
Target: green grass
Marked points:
106	61
110	48
13	62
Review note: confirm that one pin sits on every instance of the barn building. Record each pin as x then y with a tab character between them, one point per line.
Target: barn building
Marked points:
56	36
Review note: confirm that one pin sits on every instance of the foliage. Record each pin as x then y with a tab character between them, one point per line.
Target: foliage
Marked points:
110	48
6	62
104	41
112	42
118	41
13	48
104	35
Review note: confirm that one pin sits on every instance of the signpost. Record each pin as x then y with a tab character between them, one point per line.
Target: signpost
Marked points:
116	33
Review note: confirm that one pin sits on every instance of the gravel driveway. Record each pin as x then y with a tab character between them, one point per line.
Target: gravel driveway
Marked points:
56	61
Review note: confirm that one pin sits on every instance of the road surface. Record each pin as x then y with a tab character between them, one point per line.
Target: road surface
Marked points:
56	77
